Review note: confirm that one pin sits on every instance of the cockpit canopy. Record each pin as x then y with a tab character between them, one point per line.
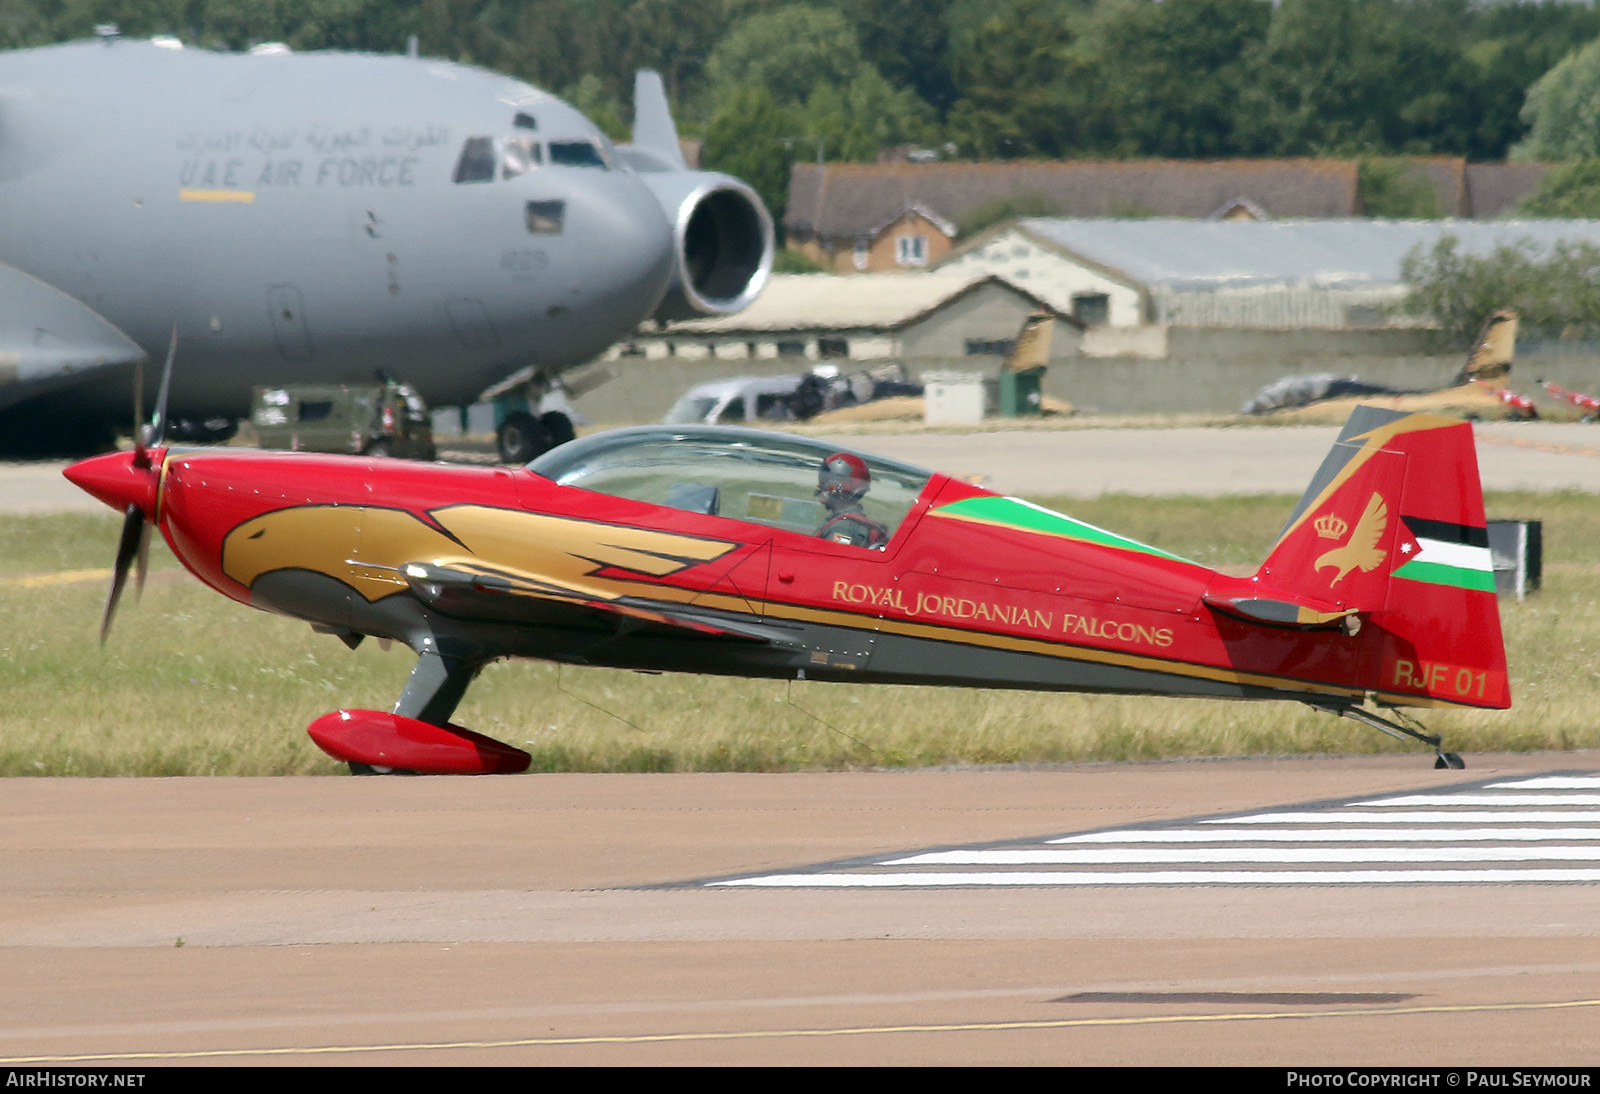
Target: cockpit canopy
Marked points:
483	157
743	474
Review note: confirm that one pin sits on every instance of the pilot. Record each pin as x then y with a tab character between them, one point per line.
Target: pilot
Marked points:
842	481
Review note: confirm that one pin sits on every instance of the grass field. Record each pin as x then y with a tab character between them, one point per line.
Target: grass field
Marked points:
191	683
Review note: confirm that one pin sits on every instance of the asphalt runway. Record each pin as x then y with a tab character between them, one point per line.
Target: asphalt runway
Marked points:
1091	462
1331	911
560	919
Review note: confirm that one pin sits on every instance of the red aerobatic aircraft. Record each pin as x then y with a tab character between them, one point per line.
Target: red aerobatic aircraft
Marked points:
738	552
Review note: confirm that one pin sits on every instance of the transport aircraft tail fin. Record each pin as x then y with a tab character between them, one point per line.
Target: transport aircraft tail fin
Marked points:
1391	535
653	128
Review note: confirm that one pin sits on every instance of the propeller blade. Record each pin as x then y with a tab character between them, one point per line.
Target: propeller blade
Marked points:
138	405
127	548
142	565
158	423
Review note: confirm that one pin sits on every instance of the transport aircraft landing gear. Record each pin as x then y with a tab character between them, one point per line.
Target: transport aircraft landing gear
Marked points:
1399	731
524	436
521	438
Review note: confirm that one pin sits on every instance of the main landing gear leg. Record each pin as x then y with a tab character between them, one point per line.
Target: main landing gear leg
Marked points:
432	693
1395	729
436	686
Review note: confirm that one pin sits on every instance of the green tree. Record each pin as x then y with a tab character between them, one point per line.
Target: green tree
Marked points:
908	41
1397	189
1174	73
1024	91
1512	45
790	51
1554	291
1563	110
746	138
673	38
589	95
1571	190
1377	76
866	115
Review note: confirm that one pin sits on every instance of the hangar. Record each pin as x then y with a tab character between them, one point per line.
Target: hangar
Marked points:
1339	274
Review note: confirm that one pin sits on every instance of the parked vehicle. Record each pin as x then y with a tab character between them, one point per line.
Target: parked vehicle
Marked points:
791	397
741	399
378	419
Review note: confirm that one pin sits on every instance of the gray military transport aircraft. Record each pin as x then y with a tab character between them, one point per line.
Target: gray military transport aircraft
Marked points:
322	217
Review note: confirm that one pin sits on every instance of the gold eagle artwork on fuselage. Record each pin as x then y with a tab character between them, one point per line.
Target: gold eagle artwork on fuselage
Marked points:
365	547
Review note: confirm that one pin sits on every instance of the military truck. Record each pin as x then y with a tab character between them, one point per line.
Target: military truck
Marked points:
378	419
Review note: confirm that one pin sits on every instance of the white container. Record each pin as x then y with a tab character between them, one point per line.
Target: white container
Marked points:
952	398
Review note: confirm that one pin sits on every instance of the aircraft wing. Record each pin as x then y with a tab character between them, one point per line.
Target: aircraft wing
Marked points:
49	339
518	599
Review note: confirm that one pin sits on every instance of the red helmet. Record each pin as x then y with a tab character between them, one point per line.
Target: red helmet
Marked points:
844	475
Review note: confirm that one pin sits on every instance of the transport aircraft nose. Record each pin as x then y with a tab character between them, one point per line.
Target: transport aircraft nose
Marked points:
628	251
119	480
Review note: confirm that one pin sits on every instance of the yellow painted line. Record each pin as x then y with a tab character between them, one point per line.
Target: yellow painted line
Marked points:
845	1031
65	577
238	197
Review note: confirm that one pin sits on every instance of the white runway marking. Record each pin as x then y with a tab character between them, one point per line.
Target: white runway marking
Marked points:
1523	816
1327	835
1143	856
1365	842
910	880
1551	782
1490	799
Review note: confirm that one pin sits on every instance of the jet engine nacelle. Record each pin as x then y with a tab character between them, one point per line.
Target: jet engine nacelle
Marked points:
722	233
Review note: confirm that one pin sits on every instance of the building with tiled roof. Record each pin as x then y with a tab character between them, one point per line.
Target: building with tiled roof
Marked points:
1495	189
873	217
848	217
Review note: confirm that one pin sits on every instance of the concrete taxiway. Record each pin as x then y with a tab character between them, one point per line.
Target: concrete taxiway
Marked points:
566	919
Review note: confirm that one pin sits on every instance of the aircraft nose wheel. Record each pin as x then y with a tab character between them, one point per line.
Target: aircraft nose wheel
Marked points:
1449	760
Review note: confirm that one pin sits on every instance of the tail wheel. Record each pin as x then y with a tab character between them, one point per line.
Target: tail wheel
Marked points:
522	437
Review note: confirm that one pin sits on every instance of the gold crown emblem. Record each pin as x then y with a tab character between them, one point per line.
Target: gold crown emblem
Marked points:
1331	527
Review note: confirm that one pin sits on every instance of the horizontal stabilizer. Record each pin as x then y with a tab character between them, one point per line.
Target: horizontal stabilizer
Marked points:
1280	613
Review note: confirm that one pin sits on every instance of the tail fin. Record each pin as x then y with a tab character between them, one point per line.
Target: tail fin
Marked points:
1392	529
1495	349
653	128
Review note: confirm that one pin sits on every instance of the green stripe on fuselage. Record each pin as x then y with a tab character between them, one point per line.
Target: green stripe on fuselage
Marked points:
1016	513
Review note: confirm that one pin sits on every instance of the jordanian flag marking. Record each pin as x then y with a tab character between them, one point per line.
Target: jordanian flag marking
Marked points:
1441	553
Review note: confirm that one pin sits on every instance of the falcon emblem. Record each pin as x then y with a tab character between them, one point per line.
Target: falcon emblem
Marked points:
1361	549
